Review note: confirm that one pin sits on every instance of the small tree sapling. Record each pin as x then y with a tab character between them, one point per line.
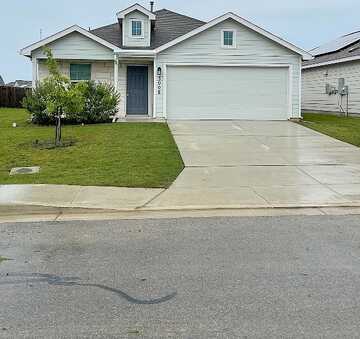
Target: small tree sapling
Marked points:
62	96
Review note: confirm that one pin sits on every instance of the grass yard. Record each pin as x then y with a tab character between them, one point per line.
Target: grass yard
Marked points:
123	154
344	129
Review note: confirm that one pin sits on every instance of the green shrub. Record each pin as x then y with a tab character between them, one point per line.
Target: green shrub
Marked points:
99	103
35	103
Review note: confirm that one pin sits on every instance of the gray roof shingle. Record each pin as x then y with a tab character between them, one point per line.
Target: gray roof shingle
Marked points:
168	26
111	33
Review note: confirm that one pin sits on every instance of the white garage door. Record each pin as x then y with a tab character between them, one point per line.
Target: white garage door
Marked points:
206	92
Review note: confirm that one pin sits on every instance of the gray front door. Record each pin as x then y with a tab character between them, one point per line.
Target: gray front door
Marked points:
137	90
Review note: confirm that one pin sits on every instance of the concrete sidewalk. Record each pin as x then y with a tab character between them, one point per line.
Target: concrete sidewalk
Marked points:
111	198
139	199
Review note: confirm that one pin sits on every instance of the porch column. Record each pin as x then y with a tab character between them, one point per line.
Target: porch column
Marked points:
35	71
116	72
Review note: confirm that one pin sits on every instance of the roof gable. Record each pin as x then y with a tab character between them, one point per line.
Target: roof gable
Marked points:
304	54
121	15
27	50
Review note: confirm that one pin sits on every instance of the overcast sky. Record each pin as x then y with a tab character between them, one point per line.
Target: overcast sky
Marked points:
306	23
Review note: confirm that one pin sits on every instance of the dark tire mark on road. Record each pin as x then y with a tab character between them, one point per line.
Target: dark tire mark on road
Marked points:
55	280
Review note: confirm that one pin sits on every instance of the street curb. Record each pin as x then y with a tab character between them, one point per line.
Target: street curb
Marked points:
36	209
16	210
35	213
239	207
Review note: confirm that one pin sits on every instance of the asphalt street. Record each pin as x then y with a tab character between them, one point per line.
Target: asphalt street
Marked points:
258	277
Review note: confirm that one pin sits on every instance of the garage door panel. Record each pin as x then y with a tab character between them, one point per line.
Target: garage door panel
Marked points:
202	92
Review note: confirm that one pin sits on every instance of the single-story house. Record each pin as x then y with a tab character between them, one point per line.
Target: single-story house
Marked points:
331	81
168	65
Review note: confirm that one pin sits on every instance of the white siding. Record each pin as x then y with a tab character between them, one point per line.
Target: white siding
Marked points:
64	67
102	71
252	48
77	46
122	88
128	40
314	81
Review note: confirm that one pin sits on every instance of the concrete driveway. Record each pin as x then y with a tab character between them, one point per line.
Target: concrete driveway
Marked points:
232	164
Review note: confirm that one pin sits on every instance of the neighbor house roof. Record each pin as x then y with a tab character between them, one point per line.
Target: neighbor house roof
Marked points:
343	49
169	26
337	44
20	83
2	83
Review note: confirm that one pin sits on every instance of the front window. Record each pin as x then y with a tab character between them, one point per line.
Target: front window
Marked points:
80	72
136	28
228	39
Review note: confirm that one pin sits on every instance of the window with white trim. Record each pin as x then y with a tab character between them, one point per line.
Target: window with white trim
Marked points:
228	39
80	72
136	28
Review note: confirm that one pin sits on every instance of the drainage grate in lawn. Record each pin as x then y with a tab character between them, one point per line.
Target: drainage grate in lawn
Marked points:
24	170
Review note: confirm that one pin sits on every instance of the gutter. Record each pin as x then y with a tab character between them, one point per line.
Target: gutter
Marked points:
136	53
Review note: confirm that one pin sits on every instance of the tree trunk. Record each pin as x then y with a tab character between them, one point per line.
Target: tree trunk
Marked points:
58	127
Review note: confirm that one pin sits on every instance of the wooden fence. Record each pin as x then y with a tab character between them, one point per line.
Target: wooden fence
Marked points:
12	96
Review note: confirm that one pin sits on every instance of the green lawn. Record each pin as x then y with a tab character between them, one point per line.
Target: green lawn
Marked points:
344	129
123	154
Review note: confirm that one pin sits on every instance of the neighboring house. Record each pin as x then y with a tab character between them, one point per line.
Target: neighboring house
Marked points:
20	83
2	83
331	81
167	65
